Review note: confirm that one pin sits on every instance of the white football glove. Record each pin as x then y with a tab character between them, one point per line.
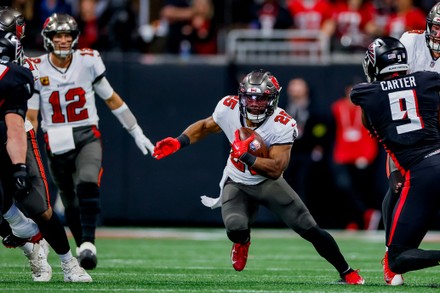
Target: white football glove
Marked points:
143	143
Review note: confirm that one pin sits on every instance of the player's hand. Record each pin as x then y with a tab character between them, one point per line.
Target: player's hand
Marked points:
240	147
396	181
143	143
166	147
22	185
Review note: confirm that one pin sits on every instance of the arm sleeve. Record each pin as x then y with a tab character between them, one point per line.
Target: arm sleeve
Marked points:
103	88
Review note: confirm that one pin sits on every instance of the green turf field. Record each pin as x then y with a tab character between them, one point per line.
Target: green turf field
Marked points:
197	260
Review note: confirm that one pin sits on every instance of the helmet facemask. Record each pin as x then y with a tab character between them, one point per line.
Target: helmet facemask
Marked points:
11	49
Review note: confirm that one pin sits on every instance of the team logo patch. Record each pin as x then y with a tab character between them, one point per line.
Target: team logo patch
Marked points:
372	52
44	80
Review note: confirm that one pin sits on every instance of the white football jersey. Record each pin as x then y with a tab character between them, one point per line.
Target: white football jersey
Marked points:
280	128
65	96
419	55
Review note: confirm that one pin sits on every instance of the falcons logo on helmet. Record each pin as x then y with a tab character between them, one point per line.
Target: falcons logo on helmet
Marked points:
372	51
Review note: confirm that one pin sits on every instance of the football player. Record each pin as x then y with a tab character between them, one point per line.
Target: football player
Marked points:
423	51
25	233
65	96
250	181
402	111
19	168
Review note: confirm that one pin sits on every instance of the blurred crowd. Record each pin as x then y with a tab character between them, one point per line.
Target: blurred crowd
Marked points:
196	26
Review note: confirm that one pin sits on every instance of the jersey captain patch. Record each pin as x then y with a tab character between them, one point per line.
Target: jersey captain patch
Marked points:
44	80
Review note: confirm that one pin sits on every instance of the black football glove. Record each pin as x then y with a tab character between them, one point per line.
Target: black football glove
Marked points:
21	181
396	181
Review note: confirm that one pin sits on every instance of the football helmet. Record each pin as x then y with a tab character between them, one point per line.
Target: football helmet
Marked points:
384	55
258	95
60	23
433	35
10	48
12	21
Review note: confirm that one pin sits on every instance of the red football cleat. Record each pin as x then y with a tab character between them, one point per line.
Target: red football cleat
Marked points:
390	277
239	255
353	278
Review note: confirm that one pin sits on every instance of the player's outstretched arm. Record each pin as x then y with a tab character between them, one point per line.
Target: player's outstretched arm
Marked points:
191	135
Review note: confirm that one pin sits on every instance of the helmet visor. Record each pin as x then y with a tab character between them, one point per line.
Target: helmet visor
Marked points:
255	104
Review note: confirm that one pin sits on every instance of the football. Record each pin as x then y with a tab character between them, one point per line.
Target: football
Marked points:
257	147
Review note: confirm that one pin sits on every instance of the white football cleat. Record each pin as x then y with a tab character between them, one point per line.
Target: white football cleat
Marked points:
73	272
41	270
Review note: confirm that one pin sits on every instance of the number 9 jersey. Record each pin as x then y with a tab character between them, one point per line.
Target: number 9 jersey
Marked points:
66	95
402	113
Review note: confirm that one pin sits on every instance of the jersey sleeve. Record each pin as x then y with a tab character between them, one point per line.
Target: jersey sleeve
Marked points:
92	60
221	109
408	40
34	102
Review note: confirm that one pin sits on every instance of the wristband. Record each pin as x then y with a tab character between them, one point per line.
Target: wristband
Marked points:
248	159
183	140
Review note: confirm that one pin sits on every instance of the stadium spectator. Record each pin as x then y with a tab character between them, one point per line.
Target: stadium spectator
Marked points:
354	156
251	181
269	15
407	17
351	18
192	29
309	145
88	24
312	15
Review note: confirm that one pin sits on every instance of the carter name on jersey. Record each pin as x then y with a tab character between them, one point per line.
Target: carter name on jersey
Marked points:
398	83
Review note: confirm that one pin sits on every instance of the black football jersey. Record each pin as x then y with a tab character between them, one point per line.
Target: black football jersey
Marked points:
402	113
16	87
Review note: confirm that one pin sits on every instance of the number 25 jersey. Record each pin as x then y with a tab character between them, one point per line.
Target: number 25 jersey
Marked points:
278	129
402	113
65	96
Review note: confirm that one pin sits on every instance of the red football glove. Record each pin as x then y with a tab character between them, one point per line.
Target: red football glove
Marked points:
166	147
240	147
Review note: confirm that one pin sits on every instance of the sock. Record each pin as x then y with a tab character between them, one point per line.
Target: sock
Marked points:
21	226
54	233
27	247
66	256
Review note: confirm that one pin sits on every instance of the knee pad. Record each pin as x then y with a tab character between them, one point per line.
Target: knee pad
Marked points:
240	236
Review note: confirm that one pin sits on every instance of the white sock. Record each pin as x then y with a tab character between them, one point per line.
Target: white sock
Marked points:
66	257
21	226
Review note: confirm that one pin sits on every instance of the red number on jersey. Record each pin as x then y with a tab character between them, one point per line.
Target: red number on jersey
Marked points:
241	166
283	118
72	108
86	51
231	102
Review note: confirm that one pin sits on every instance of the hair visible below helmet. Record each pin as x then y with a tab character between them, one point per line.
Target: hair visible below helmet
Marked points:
433	18
56	24
258	95
10	48
12	21
384	55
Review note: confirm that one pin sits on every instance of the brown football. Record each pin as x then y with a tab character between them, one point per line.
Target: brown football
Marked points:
257	147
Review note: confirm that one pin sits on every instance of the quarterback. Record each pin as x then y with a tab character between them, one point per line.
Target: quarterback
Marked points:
65	97
251	181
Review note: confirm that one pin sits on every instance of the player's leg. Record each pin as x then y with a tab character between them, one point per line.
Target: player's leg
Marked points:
416	209
88	175
37	206
281	199
238	212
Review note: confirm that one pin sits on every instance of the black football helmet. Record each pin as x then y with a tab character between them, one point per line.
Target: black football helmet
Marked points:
433	36
60	23
258	95
10	48
384	55
12	21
